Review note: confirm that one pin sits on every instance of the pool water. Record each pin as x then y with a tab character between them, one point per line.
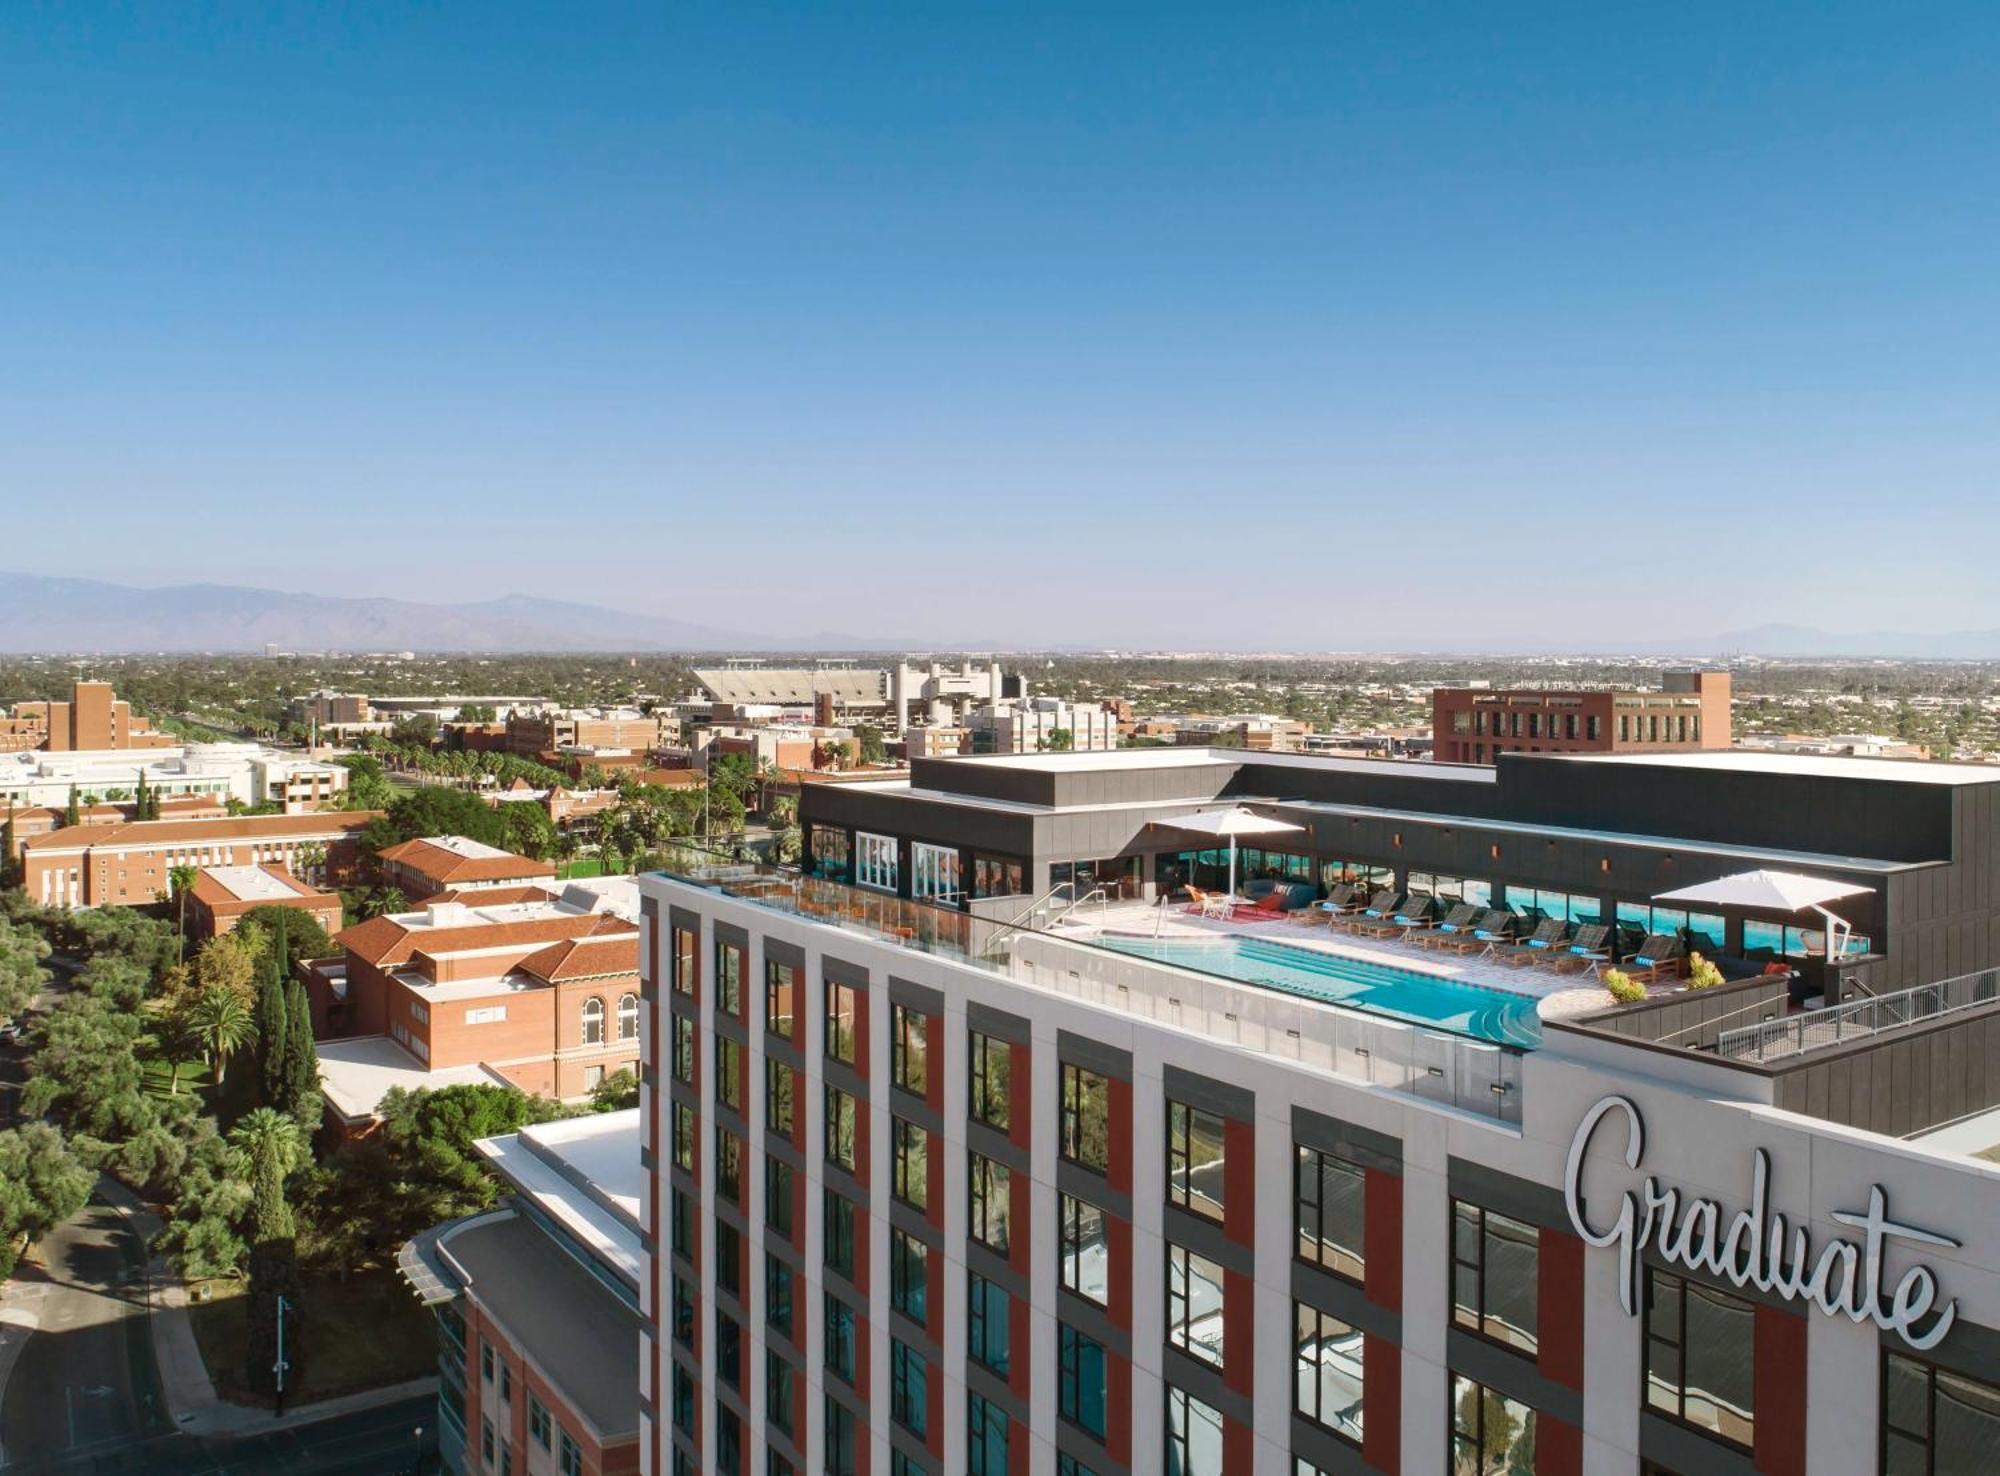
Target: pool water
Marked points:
1442	1004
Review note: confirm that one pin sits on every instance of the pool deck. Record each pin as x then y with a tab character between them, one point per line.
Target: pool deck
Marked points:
1556	995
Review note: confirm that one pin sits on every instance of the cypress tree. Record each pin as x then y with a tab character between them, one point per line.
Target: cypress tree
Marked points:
7	848
139	803
72	815
302	1098
271	1034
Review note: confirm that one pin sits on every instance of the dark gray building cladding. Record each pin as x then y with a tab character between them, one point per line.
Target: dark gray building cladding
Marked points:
1923	838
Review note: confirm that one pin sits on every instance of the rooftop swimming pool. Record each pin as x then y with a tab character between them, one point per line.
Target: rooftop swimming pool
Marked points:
1422	999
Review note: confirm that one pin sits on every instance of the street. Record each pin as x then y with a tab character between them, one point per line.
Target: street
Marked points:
374	1442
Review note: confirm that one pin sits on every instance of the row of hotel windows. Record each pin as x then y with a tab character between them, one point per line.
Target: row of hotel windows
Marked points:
1649	727
937	873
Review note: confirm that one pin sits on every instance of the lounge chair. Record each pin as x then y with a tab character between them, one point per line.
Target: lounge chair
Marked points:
1548	934
1494	927
1380	907
1208	904
1414	915
1585	951
1460	918
1271	904
1661	954
1319	915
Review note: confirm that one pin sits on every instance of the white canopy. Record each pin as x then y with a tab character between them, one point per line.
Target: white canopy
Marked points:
1231	822
1775	891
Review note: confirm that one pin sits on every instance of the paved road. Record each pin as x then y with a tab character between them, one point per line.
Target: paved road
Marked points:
375	1442
86	1375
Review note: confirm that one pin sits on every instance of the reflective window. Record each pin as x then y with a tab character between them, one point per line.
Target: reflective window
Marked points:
1326	1382
1491	1435
1700	1356
1935	1422
1493	1280
1194	1160
1194	1304
1330	1212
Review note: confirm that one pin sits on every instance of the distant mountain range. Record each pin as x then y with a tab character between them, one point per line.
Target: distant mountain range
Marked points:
40	613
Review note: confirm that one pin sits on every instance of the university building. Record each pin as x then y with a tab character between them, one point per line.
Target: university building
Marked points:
965	1155
1475	725
131	864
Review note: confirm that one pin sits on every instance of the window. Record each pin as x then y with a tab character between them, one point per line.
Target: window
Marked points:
841	1016
1194	1436
593	1021
486	1450
681	1208
778	1189
910	1146
777	1295
1069	1465
687	968
729	1072
909	1377
1493	1281
986	1330
840	1425
1330	1204
1935	1422
1080	1234
909	1048
728	1349
781	992
569	1459
837	1222
1194	1304
729	1166
992	1202
778	1383
780	1091
875	861
1327	1371
840	1338
827	845
1700	1356
683	1063
683	1290
593	1078
683	1402
840	1123
1080	1384
985	1438
997	876
684	1137
728	1257
729	978
935	874
628	1017
1491	1435
909	1276
1086	1118
539	1425
486	1361
992	1065
1194	1160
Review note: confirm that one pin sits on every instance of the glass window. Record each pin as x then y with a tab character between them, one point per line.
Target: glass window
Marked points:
910	1146
779	1381
1935	1422
729	978
1069	1465
1194	1436
1086	1118
1080	1380
780	1093
909	1048
728	1349
728	1257
1080	1237
781	993
1194	1160
778	1182
875	861
986	1331
827	846
1327	1371
840	1428
729	1072
683	1064
841	1110
1493	1279
729	1166
992	1202
687	965
684	1137
628	1017
683	1406
909	1376
992	1067
934	873
842	1017
986	1438
1491	1435
839	1338
909	1276
777	1295
1330	1209
593	1021
837	1224
998	876
1700	1356
1194	1304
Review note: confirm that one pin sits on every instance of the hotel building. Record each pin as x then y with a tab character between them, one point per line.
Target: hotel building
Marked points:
966	1156
1689	713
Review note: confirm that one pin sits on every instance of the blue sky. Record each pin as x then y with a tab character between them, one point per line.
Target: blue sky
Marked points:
1254	326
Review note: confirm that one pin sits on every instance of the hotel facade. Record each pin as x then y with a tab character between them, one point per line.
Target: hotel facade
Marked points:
961	1183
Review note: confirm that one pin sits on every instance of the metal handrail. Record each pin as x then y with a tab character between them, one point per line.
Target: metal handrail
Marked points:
1699	1025
1096	894
1816	1029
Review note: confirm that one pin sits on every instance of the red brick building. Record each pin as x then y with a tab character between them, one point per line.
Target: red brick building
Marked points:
36	820
92	719
129	864
1475	725
428	865
223	894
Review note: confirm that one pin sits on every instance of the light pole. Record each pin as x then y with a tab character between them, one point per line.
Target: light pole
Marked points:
417	1468
281	1365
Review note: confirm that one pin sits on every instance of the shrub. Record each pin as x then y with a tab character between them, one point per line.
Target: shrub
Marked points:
1701	973
1622	987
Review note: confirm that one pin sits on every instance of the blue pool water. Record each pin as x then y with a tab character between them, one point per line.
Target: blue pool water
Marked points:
1442	1004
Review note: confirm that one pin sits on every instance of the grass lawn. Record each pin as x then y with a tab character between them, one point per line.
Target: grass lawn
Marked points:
362	1333
581	866
157	1073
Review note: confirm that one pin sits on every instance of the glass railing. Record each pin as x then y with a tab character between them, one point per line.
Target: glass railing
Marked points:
1453	1070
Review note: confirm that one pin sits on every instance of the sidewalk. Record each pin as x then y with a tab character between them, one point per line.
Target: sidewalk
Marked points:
189	1394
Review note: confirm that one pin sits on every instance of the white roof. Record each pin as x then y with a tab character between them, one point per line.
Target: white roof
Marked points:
585	1173
1815	765
1768	891
468	848
357	1073
252	883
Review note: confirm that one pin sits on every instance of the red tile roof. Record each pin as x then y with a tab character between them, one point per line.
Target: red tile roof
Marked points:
385	942
586	958
142	833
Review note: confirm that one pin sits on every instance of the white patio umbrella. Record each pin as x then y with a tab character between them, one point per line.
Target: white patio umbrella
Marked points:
1232	822
1776	891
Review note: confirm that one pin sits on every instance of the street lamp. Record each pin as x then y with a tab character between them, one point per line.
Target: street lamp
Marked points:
281	1365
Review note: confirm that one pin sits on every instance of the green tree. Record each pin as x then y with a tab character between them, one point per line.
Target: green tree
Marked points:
616	1092
229	963
72	813
180	881
84	1072
868	739
21	973
528	829
8	845
297	934
435	811
1059	740
42	1183
202	1239
428	1136
220	1021
301	1087
271	1033
269	1147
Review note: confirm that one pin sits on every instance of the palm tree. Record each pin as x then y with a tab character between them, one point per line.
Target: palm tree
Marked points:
180	881
269	1144
222	1025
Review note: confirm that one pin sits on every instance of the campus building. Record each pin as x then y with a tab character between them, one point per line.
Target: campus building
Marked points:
951	1176
1475	725
243	773
221	895
131	864
537	1305
428	865
93	719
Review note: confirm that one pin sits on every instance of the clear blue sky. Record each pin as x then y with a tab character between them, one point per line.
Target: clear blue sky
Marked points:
1234	325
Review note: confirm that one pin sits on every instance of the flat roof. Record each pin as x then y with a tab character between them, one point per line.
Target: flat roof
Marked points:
585	1174
470	849
355	1074
255	884
1812	765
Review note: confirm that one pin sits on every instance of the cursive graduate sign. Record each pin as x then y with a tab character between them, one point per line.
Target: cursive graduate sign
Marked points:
1755	1247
